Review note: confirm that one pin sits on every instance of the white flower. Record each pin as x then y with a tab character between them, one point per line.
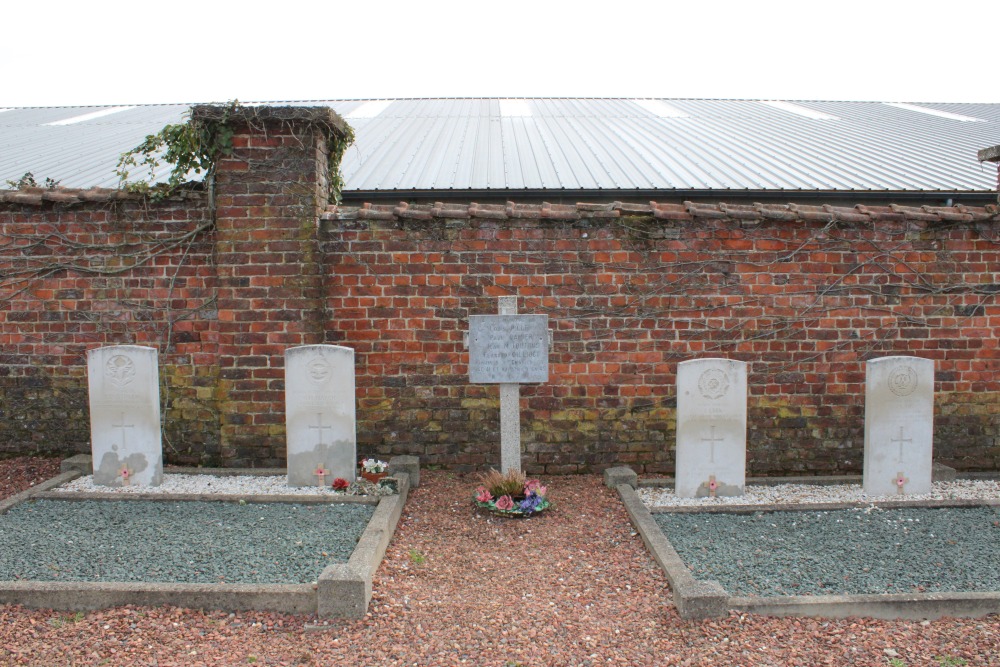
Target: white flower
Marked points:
373	465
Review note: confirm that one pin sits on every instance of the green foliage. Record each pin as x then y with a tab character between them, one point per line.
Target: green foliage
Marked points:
59	621
192	147
950	661
338	146
417	558
28	181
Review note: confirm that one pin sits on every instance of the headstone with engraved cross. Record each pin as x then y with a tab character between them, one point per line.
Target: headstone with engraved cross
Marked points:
320	422
124	388
899	425
711	428
510	350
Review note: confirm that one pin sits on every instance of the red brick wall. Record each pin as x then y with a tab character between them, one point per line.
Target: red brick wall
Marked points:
805	294
77	274
806	300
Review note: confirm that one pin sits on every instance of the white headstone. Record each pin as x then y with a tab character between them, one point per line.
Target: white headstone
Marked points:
711	428
125	415
320	418
899	425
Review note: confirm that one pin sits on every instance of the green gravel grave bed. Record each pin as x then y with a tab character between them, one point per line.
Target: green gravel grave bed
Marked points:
850	551
177	542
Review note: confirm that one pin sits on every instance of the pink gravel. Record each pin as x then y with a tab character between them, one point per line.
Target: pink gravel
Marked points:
574	586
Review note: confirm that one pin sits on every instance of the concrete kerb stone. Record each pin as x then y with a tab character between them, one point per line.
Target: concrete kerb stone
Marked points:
915	606
87	596
694	599
342	591
942	473
620	475
406	464
38	489
345	589
707	599
82	462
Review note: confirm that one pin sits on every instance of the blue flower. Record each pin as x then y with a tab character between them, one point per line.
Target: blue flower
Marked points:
530	504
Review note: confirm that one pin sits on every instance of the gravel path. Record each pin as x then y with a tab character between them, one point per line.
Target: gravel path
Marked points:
572	587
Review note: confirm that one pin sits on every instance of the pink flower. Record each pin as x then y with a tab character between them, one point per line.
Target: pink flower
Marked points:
541	490
531	485
505	503
483	495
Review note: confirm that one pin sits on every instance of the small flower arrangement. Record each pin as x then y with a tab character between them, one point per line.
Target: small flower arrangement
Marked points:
511	494
363	487
374	466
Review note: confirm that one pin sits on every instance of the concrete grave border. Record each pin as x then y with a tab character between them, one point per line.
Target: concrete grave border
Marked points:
697	599
343	590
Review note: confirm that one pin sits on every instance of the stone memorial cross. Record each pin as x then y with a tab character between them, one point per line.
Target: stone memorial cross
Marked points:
509	349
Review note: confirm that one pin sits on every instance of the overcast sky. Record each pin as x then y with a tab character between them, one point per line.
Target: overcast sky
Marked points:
149	51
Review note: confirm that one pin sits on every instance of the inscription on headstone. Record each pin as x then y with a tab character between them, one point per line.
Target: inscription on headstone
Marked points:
508	349
124	389
899	425
320	421
711	427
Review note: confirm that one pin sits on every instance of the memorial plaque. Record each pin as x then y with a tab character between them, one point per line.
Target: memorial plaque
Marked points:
899	425
124	388
320	419
508	349
711	428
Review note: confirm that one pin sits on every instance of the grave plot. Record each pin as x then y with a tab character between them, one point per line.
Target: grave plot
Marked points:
291	550
788	550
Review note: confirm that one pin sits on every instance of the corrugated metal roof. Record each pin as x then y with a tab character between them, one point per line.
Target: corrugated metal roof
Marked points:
536	144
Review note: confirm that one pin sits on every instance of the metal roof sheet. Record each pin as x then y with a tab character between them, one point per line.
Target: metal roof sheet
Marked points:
454	144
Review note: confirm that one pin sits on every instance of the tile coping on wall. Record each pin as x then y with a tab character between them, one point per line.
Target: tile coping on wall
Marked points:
343	590
696	599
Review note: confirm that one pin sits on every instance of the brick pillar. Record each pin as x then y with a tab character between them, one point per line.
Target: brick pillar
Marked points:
268	195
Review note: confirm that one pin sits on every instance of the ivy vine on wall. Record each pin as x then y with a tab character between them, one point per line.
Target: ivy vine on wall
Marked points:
192	147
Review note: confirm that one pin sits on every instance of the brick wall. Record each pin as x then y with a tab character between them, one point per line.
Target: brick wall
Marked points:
84	269
805	294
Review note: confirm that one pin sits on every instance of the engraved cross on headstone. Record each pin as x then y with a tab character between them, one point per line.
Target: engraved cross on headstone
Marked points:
900	440
123	426
319	428
711	440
